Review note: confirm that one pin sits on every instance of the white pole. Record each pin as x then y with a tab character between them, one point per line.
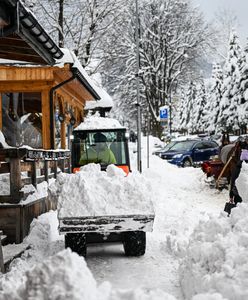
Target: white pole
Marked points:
148	133
139	162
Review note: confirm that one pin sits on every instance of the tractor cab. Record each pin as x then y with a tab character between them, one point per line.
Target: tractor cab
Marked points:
103	146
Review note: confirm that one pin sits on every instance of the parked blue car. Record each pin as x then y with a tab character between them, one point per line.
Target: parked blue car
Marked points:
190	152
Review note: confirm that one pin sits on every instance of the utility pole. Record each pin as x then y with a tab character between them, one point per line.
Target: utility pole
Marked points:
139	162
148	133
170	116
61	23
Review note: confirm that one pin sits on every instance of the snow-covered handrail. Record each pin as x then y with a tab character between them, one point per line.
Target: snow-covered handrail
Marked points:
15	161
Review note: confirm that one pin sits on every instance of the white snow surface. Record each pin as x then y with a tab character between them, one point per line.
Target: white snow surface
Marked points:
96	122
194	252
242	182
91	192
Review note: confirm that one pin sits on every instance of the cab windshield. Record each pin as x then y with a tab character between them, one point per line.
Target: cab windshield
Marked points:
103	147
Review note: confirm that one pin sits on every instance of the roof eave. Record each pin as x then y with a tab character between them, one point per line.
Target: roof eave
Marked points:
85	83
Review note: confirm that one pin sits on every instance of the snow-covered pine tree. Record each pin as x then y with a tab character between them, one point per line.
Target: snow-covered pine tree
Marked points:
205	122
214	99
198	109
243	92
181	112
189	106
227	118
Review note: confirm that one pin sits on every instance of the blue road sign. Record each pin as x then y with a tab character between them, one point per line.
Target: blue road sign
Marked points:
163	113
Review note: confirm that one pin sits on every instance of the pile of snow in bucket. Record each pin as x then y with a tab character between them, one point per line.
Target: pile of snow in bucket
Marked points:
92	192
216	259
96	122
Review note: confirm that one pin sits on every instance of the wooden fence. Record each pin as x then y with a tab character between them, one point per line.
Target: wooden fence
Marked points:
27	166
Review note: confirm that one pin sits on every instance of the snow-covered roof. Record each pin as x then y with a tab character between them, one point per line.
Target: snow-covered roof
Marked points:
96	122
70	58
105	99
39	49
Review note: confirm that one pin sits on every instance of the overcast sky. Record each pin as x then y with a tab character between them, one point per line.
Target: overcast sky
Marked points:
238	7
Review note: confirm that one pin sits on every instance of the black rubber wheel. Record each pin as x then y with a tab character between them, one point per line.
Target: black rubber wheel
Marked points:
186	163
77	243
134	243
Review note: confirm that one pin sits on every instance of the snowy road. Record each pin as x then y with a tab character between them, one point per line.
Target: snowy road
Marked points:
181	199
154	270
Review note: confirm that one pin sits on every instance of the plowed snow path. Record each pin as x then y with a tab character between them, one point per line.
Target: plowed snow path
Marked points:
181	199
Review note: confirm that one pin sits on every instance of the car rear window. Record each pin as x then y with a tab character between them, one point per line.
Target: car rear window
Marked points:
183	146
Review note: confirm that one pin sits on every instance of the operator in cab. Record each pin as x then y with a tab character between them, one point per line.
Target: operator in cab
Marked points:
99	152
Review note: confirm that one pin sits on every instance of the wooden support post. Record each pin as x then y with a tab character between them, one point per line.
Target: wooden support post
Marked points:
1	254
69	165
55	164
19	225
62	164
63	135
33	174
15	179
46	119
46	166
1	113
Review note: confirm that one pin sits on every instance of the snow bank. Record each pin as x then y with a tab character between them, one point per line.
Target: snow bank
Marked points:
92	192
242	182
96	122
48	272
43	233
216	258
64	276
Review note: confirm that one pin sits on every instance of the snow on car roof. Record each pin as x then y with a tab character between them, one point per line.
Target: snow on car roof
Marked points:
96	122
